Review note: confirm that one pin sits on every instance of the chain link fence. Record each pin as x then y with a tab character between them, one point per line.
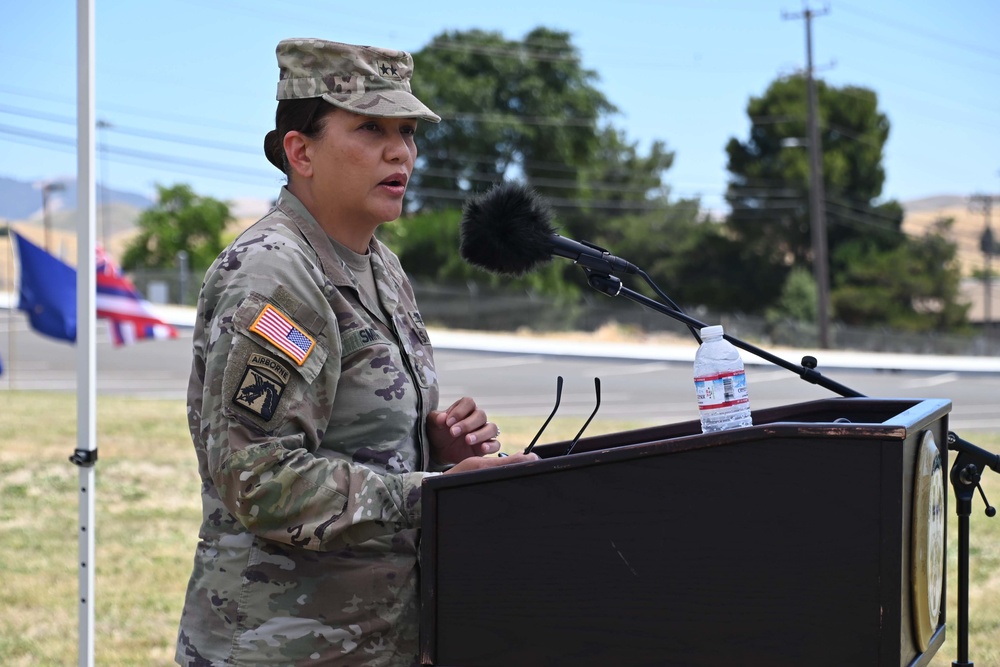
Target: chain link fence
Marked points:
473	307
476	307
172	286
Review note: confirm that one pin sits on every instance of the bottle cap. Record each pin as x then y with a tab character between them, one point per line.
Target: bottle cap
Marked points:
709	332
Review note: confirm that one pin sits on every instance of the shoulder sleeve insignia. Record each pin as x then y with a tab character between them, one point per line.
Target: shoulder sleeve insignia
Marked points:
264	380
276	327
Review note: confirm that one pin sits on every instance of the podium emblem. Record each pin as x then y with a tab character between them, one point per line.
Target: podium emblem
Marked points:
927	541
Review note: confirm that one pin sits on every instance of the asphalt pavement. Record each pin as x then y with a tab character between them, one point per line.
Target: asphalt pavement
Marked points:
516	374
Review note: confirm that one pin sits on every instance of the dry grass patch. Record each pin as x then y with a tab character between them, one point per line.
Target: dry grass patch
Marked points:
147	517
146	520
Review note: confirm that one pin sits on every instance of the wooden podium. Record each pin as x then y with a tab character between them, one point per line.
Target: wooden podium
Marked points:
785	543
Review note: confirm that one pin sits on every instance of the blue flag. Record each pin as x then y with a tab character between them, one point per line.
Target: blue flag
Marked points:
47	292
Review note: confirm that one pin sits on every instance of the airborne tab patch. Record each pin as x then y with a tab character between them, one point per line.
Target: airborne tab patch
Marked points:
263	382
277	369
274	326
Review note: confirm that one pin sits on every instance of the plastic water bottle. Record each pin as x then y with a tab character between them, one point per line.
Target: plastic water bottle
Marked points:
720	382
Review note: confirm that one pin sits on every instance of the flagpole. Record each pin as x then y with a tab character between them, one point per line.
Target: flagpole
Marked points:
85	455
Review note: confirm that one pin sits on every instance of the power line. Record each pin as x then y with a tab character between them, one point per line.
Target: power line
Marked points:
516	52
37	115
159	159
881	39
460	116
944	39
39	136
233	172
135	132
494	118
189	141
131	156
793	197
106	109
175	138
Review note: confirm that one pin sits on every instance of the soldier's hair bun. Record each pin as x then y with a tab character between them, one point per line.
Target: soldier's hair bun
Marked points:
273	150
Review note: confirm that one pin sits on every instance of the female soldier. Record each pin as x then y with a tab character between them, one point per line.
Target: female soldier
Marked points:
313	395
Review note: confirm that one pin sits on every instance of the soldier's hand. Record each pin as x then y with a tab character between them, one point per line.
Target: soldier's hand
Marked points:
479	462
461	431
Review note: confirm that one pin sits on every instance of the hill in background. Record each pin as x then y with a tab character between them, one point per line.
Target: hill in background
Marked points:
21	204
922	214
21	207
22	200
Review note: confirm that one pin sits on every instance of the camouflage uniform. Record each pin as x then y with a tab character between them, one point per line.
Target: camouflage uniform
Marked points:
307	413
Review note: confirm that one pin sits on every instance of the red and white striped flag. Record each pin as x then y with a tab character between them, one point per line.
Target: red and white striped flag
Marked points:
130	317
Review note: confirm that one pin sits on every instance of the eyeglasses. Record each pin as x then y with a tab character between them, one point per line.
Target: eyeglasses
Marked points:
559	388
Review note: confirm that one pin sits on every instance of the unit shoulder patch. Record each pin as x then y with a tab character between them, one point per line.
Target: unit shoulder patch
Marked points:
264	381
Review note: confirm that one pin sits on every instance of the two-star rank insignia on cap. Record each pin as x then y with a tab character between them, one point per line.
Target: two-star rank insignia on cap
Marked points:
284	333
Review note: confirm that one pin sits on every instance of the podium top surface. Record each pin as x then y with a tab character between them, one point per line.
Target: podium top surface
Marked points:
850	418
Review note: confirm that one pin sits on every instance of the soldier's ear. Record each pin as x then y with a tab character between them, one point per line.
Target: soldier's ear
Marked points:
298	150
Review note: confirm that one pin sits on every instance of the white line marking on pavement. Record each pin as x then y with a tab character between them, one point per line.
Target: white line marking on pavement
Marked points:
493	362
933	381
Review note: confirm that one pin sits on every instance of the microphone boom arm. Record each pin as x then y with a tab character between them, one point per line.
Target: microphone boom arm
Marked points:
612	286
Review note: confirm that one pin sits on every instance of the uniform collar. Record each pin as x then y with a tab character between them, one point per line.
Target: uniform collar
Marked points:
333	265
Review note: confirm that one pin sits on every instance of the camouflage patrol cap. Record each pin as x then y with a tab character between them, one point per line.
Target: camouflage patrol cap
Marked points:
364	79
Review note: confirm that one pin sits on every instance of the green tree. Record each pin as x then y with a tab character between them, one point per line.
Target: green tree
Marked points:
523	107
180	221
769	186
878	275
798	298
660	242
618	181
624	205
427	245
912	287
527	110
715	269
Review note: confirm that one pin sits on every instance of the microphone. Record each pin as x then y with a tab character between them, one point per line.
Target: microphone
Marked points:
508	230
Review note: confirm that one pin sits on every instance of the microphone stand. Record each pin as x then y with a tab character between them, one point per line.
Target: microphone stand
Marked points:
966	472
612	286
965	475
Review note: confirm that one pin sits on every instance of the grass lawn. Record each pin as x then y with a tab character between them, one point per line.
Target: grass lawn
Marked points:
148	512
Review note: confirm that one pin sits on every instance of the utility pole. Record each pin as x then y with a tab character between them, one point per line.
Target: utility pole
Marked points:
46	189
817	196
102	192
11	307
102	210
988	245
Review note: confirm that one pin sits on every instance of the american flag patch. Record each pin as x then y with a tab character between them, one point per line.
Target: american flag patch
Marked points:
284	333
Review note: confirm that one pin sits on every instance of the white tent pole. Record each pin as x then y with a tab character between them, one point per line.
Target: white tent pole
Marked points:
85	455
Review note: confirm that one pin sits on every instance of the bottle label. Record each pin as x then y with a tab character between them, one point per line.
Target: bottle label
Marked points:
721	390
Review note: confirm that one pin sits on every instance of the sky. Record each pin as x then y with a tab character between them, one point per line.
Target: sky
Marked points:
186	87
